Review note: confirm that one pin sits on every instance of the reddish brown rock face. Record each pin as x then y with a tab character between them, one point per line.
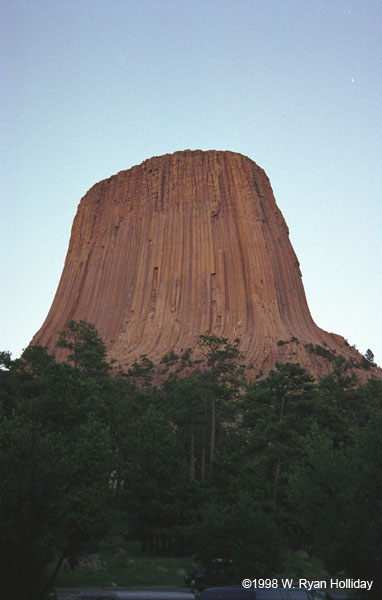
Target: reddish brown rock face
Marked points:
182	245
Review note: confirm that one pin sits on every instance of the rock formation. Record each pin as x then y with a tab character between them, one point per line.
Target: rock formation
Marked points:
182	245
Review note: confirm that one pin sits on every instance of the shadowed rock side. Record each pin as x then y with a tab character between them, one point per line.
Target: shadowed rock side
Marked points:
182	245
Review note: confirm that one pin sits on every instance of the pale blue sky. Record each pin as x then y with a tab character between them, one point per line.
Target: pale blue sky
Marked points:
90	87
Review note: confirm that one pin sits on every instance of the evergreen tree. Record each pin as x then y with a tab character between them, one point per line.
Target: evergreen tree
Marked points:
54	470
87	349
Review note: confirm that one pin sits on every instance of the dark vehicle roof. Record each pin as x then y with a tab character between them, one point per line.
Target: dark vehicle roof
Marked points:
240	593
271	594
228	592
134	595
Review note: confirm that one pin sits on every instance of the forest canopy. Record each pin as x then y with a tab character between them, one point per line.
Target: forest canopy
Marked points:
202	463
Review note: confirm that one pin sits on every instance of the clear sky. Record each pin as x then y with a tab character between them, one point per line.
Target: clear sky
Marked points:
91	87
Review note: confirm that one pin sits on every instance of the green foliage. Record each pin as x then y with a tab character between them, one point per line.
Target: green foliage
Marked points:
186	357
153	474
126	568
234	539
87	350
5	360
221	356
340	490
205	464
292	340
277	414
321	351
368	360
370	357
142	371
55	463
170	359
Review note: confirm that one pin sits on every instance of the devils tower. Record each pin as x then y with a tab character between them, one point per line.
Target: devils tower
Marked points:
186	244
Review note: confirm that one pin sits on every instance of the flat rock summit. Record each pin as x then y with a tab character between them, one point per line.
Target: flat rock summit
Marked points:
187	244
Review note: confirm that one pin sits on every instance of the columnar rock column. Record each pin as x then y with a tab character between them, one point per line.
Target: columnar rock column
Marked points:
182	245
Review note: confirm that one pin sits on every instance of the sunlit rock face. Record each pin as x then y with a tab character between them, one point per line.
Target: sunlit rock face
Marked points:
182	245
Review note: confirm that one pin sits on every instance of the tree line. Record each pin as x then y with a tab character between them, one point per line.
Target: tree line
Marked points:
203	463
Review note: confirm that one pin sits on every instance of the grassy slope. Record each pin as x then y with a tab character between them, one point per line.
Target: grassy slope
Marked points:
135	568
132	568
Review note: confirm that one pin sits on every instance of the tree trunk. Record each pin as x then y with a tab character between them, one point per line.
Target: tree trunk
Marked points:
51	579
213	433
203	460
278	462
117	489
192	455
276	481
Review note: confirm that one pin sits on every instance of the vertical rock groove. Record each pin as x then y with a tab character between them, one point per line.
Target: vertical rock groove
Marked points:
182	245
